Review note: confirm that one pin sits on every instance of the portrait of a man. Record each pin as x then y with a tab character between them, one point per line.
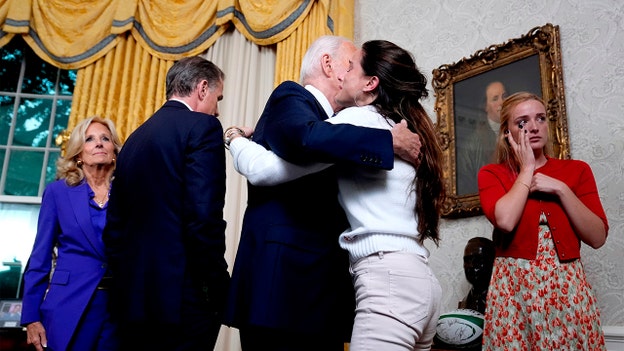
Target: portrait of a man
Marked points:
478	101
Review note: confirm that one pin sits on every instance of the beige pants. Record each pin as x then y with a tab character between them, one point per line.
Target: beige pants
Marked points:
397	302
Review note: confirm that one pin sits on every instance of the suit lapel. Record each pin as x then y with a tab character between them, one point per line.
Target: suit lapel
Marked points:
77	197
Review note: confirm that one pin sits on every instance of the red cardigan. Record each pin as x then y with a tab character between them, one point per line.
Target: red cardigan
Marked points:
495	180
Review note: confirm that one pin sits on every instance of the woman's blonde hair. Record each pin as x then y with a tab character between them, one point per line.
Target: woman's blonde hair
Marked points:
504	154
67	166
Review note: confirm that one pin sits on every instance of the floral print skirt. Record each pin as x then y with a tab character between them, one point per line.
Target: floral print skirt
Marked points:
541	304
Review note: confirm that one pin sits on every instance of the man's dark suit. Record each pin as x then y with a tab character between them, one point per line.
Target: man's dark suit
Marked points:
290	273
165	233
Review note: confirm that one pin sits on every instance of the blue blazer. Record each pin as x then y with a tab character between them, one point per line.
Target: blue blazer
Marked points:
64	218
165	233
290	272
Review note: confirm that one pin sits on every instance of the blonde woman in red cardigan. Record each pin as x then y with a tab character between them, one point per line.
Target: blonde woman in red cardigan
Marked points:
542	208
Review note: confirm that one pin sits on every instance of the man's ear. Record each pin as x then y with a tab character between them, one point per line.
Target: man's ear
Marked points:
326	64
202	89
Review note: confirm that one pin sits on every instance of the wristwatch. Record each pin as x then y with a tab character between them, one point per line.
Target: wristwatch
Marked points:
230	134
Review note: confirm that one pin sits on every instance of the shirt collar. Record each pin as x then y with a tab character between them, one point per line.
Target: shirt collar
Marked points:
322	99
182	102
494	125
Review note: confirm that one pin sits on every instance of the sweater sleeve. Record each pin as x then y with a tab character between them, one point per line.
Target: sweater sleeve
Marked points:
263	167
587	191
491	189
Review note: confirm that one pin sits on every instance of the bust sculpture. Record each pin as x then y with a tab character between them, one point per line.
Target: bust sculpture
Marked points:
479	255
454	330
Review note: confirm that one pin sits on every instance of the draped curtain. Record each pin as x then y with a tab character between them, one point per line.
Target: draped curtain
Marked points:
249	69
123	48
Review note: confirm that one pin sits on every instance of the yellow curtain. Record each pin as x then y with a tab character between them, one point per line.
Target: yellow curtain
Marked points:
127	85
174	29
4	10
265	22
341	13
66	33
123	48
74	33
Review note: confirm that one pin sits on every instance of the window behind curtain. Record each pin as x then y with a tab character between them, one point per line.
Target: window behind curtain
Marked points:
35	101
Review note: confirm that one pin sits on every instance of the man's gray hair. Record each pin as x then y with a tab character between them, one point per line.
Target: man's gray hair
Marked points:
311	63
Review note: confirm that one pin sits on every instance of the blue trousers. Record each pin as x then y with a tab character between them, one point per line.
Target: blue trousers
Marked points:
95	330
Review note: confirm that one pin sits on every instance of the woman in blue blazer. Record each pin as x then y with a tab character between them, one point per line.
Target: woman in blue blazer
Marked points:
65	285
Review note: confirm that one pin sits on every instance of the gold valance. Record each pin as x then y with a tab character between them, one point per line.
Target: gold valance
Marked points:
72	34
122	49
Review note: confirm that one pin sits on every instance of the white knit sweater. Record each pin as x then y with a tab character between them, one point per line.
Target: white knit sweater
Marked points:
379	204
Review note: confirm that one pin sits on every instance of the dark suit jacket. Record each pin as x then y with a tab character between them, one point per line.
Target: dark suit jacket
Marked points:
60	302
165	232
290	272
477	151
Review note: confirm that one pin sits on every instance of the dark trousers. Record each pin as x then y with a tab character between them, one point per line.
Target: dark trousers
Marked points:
259	338
198	329
168	337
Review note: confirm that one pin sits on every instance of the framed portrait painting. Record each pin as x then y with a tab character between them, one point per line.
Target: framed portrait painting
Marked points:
469	95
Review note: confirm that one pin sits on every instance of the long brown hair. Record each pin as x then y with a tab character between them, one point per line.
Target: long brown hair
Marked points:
401	86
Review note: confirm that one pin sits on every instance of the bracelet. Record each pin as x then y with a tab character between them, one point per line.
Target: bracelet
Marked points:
230	134
528	187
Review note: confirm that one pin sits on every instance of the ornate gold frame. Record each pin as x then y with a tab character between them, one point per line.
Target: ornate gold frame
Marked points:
542	41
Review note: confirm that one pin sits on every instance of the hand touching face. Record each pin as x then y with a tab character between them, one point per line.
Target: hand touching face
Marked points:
529	119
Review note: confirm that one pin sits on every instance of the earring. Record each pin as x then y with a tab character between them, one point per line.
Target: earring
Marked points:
79	163
114	160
